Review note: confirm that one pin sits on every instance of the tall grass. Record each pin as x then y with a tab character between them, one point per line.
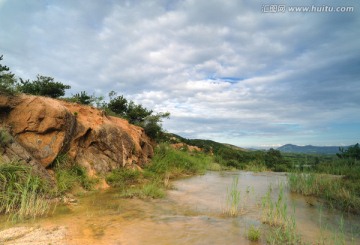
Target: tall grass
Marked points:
331	188
22	193
69	175
178	163
167	163
233	199
275	214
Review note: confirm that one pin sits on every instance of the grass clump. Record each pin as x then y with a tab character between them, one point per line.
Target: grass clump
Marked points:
133	183
69	175
148	190
283	225
123	177
22	194
253	234
233	199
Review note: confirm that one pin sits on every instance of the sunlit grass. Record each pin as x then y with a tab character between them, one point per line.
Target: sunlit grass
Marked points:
167	164
22	193
253	234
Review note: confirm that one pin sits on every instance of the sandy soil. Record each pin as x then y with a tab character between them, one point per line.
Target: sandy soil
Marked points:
54	235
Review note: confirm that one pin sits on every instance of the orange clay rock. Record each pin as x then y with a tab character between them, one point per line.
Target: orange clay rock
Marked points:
47	127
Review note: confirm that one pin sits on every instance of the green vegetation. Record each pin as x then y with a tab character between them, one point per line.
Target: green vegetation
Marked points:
351	153
22	193
255	166
136	114
283	225
176	163
233	199
330	188
335	179
167	163
253	234
5	137
235	157
44	86
70	175
7	80
275	161
83	98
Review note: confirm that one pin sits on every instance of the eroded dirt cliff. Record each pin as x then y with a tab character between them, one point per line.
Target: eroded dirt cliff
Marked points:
43	128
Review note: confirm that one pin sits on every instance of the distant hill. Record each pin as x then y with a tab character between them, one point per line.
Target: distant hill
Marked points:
309	149
236	147
207	145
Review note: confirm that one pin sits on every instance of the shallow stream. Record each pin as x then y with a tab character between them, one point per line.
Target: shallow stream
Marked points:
193	213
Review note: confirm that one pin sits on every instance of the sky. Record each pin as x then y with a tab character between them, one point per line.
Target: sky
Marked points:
248	73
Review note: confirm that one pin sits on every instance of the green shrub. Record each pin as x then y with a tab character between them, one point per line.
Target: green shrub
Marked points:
7	80
5	137
83	98
43	85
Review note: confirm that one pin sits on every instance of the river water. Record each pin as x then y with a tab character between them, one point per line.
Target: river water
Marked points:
193	213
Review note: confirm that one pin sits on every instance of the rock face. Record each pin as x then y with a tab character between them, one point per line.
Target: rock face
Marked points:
45	128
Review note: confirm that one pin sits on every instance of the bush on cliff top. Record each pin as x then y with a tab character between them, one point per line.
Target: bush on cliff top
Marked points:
7	80
44	86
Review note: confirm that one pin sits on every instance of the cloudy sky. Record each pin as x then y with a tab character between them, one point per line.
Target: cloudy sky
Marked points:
226	70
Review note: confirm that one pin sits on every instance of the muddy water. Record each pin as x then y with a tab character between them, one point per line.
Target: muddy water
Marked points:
193	213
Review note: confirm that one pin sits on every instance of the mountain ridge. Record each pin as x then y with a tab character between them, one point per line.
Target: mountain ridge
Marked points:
310	149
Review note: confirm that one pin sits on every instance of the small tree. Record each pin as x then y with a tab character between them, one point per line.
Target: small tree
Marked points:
43	85
83	98
119	105
7	80
275	161
137	113
152	125
352	152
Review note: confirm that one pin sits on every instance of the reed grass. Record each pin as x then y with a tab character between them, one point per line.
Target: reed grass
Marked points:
22	193
233	199
275	214
69	175
332	189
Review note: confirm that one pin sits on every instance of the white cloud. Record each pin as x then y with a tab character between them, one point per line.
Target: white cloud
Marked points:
223	69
